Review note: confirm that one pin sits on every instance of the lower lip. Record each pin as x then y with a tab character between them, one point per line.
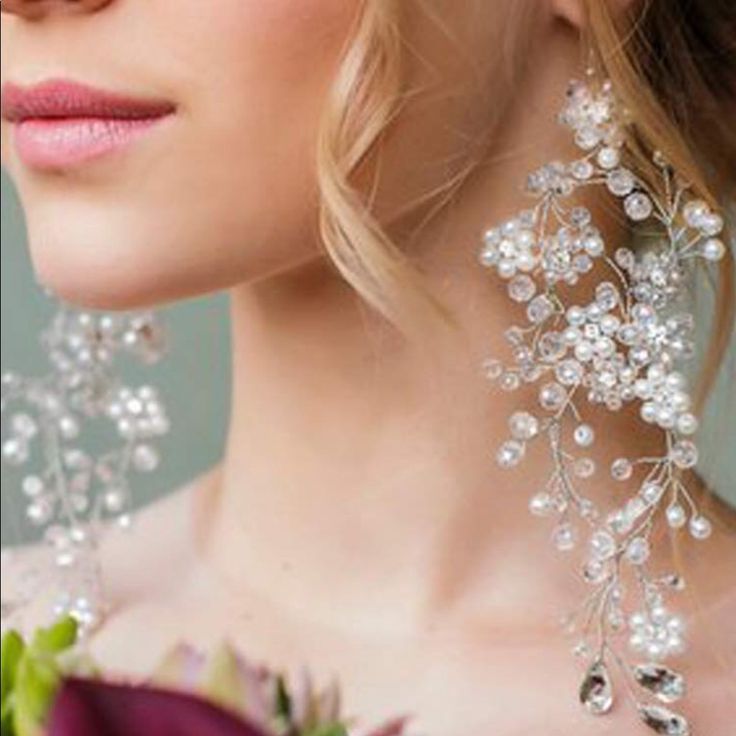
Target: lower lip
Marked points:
60	143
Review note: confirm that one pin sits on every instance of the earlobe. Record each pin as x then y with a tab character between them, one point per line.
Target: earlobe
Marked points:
575	11
572	11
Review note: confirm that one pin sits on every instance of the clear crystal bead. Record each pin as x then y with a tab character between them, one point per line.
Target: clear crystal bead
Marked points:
522	288
552	396
620	182
684	454
510	454
523	425
541	504
564	537
638	551
664	721
638	206
694	212
666	684
621	469
602	545
596	691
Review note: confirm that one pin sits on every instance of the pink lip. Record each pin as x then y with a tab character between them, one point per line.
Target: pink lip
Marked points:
58	124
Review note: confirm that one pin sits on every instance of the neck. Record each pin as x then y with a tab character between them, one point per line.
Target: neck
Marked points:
359	483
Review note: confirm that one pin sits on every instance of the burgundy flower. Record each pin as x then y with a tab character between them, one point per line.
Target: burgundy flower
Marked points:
91	708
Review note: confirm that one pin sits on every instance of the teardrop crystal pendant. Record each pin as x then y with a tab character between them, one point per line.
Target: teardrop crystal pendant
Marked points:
596	691
664	721
666	684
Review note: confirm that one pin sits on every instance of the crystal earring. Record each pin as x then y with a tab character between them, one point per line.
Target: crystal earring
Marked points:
622	348
73	494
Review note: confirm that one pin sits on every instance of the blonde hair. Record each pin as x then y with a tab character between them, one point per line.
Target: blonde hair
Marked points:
672	63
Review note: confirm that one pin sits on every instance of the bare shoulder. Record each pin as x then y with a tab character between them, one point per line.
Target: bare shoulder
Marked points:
133	561
158	546
26	571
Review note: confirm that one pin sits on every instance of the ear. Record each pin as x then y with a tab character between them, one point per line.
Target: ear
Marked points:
573	11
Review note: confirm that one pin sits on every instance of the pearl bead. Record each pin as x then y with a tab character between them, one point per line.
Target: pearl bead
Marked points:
713	249
584	435
676	516
700	527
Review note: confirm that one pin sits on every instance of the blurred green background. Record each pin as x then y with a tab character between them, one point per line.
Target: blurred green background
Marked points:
194	379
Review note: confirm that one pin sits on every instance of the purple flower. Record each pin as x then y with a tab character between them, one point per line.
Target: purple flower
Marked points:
91	708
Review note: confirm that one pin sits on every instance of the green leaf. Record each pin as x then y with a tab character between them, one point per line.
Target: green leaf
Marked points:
11	652
328	729
283	699
37	682
58	637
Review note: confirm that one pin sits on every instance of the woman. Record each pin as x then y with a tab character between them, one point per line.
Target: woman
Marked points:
314	158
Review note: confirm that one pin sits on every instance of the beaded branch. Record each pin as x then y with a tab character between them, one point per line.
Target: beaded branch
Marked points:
624	347
75	494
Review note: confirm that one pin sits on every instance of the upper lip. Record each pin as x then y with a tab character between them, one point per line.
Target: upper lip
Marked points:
59	98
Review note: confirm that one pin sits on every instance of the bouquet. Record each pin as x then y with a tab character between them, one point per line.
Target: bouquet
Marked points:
51	688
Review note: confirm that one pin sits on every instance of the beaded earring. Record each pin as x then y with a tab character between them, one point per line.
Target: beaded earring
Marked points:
622	348
75	493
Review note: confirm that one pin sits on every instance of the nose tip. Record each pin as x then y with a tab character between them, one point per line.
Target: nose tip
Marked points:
39	8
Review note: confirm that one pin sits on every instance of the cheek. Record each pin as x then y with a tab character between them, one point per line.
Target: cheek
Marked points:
229	194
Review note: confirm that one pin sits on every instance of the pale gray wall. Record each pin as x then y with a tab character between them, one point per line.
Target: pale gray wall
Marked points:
195	380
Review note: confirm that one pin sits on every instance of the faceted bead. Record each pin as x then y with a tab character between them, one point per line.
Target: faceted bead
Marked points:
522	288
539	309
638	206
684	454
569	372
694	211
582	169
564	537
651	492
551	346
584	467
510	454
596	691
664	721
638	551
666	684
621	469
602	545
541	504
552	396
620	182
492	368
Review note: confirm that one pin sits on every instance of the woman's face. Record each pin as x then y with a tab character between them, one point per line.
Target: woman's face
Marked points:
220	191
221	188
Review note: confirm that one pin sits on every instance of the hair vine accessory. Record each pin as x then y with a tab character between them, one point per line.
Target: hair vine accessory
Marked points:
75	493
622	348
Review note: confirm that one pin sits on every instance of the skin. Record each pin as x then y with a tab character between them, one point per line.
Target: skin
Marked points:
357	523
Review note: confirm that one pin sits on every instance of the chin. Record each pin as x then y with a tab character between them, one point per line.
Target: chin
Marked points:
95	263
